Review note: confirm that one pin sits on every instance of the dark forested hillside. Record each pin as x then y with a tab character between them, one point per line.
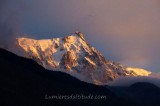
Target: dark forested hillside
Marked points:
24	82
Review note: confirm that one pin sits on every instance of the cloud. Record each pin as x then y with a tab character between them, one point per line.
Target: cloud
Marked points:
155	75
127	81
10	11
126	31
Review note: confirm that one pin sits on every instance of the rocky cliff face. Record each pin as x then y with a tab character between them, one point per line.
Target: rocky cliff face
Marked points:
73	55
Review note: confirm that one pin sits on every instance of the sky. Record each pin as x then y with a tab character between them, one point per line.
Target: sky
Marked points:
125	31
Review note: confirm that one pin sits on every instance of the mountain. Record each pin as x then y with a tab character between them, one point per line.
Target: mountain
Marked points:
25	83
75	56
143	93
139	71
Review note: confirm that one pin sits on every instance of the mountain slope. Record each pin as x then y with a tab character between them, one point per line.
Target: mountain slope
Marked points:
139	71
143	93
24	82
73	55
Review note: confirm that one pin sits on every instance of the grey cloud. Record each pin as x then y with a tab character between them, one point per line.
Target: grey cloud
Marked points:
120	28
127	81
126	31
10	13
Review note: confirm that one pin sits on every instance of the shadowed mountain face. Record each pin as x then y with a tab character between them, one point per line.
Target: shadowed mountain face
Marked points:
142	93
145	93
24	82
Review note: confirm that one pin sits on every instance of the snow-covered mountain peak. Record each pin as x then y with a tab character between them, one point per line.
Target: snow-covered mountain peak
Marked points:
55	48
139	71
72	54
67	43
